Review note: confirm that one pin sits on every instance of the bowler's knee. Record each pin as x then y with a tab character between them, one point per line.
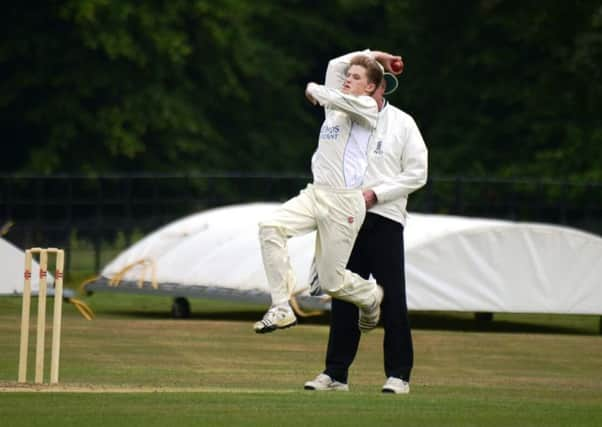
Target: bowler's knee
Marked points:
332	281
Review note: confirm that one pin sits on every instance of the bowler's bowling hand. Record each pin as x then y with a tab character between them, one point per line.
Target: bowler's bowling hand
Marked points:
369	198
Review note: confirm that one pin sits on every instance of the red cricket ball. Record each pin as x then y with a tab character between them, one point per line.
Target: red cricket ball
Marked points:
397	65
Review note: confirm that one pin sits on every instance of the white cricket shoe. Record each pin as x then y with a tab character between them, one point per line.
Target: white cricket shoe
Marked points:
369	316
324	383
277	317
396	386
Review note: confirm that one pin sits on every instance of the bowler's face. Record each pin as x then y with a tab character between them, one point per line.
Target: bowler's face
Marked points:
356	81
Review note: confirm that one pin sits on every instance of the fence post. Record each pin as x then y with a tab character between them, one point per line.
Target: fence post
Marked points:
128	212
37	195
563	201
99	227
69	223
459	198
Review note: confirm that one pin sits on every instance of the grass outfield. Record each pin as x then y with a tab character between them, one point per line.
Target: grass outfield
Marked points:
133	366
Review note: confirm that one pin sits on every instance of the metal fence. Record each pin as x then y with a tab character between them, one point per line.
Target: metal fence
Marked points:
97	216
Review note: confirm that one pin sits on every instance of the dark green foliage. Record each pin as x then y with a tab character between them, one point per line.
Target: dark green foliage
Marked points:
499	87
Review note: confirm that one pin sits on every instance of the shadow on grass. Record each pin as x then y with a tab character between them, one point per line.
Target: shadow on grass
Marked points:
508	323
518	324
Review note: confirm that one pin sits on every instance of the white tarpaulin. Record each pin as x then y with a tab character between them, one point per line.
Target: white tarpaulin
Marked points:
452	263
464	264
12	270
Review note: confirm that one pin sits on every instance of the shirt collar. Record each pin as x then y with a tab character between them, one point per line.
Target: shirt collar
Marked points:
385	104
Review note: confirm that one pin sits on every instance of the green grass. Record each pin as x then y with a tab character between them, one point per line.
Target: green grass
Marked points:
134	366
426	407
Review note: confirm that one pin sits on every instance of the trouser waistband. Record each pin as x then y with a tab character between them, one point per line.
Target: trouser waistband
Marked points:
339	190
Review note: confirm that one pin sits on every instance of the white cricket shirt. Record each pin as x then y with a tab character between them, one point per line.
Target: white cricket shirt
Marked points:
340	159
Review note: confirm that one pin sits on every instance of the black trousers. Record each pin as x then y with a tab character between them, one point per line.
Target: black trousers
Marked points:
378	250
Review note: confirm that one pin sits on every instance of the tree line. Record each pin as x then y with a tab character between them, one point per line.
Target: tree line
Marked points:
498	87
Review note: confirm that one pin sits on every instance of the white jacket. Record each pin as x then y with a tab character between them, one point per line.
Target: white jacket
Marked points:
397	154
343	115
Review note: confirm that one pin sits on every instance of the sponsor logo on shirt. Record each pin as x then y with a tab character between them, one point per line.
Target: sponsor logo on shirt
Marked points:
329	132
379	148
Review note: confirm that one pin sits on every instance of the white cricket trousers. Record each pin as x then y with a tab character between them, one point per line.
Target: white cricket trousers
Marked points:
337	215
